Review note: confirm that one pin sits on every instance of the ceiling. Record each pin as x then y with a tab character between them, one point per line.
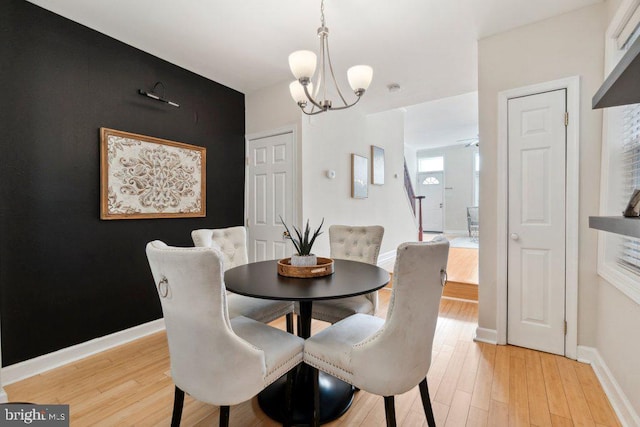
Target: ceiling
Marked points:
429	47
443	122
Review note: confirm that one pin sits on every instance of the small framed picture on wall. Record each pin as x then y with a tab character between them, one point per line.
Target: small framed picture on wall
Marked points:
359	176
377	165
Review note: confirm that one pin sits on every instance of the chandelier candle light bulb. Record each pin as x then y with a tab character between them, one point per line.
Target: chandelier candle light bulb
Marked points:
303	66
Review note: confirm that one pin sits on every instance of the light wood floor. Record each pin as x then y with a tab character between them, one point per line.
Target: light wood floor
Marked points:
472	384
462	273
463	265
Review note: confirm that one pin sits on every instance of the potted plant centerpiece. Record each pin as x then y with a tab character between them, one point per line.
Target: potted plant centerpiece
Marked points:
303	242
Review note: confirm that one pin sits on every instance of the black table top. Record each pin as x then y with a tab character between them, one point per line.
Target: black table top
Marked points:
261	280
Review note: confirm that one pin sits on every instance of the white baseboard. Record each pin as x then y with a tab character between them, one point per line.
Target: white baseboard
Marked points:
46	362
3	396
489	336
387	256
465	232
625	412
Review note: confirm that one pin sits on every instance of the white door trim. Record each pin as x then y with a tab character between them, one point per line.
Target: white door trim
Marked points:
296	184
572	220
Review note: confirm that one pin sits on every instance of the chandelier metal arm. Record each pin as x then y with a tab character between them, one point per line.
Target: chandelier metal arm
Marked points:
347	105
306	92
322	110
311	113
333	76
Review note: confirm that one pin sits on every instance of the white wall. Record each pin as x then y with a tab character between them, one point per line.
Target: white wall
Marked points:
328	141
270	108
458	182
559	47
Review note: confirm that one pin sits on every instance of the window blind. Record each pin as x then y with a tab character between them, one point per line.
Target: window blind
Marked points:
630	29
629	256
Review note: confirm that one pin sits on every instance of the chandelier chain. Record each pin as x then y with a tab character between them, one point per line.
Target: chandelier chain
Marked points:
322	13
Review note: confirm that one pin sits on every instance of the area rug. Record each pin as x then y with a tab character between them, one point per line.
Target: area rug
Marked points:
463	242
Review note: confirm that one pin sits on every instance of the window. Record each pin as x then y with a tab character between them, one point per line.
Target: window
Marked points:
431	180
431	164
629	255
619	256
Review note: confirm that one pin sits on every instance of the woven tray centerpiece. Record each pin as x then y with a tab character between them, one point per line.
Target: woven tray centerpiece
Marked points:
303	242
324	267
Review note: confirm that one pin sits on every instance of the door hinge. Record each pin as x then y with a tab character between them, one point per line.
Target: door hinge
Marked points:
246	222
565	327
566	118
247	160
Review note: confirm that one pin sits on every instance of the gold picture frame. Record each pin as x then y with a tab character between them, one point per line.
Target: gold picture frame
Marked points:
144	177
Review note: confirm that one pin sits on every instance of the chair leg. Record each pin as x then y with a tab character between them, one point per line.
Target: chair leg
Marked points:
178	402
288	397
390	411
426	403
290	323
224	416
316	397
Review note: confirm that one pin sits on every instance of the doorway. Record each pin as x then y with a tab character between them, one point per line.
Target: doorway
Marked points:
571	211
431	185
536	221
270	194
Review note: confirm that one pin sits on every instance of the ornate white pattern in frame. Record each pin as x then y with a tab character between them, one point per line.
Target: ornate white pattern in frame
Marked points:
146	177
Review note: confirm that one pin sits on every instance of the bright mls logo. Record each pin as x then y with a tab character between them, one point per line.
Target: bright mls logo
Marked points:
16	414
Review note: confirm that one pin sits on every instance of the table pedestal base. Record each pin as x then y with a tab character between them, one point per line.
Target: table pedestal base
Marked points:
335	397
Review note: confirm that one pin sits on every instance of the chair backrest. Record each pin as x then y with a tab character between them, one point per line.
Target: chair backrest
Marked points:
403	346
208	360
231	241
356	243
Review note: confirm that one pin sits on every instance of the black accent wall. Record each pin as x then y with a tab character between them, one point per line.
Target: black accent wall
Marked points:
66	276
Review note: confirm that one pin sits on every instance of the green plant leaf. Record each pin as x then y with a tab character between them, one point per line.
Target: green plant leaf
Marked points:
301	240
290	235
316	234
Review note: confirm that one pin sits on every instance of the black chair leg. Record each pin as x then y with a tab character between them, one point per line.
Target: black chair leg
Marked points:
316	397
224	416
290	323
178	402
288	397
426	403
390	411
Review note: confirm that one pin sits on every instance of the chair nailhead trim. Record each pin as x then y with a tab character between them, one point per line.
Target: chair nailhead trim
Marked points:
285	363
330	364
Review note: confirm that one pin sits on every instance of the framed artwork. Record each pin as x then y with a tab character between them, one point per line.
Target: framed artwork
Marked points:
359	176
146	177
377	165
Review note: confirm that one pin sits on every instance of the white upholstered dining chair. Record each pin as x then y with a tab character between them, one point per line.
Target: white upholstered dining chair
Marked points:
232	243
389	356
355	244
215	359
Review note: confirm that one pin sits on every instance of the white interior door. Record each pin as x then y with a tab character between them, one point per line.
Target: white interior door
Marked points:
431	185
536	221
270	195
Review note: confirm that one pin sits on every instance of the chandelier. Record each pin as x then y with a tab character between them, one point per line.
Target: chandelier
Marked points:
303	67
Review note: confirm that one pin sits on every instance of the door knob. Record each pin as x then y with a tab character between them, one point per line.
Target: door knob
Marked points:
440	205
514	236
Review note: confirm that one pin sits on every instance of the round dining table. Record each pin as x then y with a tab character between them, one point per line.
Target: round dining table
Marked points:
261	280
